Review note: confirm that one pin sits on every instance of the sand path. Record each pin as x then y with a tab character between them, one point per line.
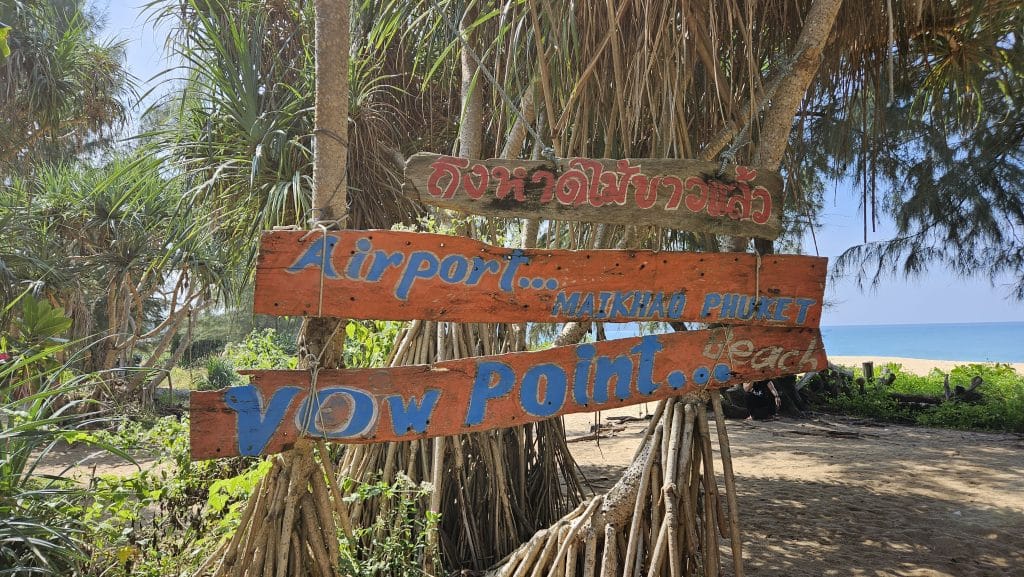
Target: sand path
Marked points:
883	501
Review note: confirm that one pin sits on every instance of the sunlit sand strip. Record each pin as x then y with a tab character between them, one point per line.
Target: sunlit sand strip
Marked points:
915	366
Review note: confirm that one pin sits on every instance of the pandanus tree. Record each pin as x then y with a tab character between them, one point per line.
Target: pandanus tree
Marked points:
62	88
102	243
721	81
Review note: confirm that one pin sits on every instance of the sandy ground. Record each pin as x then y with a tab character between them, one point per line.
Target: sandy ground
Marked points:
880	501
82	463
915	366
883	500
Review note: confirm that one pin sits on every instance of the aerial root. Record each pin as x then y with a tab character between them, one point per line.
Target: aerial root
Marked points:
664	516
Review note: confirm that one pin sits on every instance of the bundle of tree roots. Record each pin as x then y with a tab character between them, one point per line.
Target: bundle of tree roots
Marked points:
663	517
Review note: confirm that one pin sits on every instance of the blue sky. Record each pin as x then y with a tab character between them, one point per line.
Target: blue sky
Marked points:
937	297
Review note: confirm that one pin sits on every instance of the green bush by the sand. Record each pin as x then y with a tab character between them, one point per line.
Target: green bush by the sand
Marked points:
1000	409
262	349
166	517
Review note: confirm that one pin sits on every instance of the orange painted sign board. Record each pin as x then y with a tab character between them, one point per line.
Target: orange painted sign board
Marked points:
482	393
689	195
389	275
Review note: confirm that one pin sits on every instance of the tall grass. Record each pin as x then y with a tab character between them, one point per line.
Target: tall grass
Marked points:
39	410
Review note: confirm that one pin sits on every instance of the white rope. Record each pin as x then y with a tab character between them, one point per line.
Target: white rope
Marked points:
324	226
313	395
757	280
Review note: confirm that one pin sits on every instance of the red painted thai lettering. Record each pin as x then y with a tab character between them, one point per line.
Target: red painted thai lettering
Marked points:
510	182
586	181
446	166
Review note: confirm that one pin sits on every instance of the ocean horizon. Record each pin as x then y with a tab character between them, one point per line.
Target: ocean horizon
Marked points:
1000	342
994	342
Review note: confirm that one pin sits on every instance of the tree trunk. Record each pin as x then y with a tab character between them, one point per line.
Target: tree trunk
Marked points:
289	526
471	127
786	98
778	120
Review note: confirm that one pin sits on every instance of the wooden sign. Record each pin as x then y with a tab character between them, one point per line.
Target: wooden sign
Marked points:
388	275
482	393
683	194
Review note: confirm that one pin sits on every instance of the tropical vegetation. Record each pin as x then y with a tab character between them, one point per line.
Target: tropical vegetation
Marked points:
127	257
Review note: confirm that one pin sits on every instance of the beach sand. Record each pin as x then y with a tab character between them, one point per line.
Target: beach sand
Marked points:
885	501
914	366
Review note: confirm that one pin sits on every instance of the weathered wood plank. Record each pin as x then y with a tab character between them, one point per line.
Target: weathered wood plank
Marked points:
482	393
682	194
402	276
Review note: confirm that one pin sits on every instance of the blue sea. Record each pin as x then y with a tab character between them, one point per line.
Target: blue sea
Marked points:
976	342
991	342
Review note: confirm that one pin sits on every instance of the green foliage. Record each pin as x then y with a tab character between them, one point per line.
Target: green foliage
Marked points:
397	540
63	84
957	415
35	340
36	531
262	349
233	489
41	321
369	343
220	374
104	243
875	403
164	518
235	322
201	349
40	406
5	47
1003	406
1000	409
158	520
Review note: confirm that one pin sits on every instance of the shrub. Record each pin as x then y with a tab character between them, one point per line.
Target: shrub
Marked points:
369	343
875	404
1000	409
167	517
380	549
201	349
158	521
219	374
262	349
38	533
40	406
